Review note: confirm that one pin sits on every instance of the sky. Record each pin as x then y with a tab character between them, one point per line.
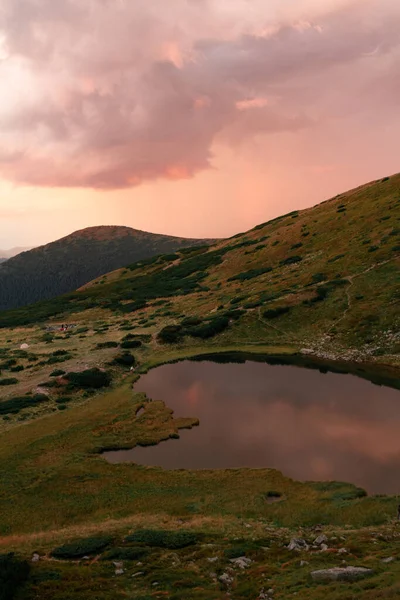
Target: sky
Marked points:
197	118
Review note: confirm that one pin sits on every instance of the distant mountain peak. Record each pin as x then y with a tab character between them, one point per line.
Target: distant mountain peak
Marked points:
72	261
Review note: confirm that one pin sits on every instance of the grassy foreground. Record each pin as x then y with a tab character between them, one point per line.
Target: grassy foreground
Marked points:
56	487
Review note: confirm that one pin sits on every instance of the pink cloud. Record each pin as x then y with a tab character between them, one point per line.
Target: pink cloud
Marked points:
110	95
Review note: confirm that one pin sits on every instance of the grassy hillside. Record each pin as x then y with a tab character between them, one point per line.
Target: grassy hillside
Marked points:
319	286
70	262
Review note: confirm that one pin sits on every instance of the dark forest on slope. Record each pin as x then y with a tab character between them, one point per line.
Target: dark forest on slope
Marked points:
69	263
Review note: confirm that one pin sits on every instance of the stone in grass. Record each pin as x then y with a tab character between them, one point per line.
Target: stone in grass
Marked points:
226	579
298	544
242	562
341	574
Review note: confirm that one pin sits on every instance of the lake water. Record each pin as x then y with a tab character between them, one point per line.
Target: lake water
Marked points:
307	424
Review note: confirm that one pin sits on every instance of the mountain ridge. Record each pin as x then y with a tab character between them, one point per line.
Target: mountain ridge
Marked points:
68	263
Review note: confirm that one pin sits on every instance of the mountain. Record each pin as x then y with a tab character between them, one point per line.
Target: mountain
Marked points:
324	279
69	263
6	254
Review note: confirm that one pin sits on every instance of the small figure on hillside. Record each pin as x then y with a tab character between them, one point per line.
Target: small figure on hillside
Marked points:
398	512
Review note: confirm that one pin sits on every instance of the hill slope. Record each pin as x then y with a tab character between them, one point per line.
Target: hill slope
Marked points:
70	262
321	278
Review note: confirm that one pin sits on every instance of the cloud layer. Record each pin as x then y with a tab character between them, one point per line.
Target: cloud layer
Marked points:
111	93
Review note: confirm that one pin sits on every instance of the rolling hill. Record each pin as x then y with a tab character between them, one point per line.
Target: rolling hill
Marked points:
68	263
323	278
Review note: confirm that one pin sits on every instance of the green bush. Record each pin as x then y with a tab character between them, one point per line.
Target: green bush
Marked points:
171	334
274	313
82	547
318	277
57	373
125	360
273	494
91	378
335	258
251	274
14	405
7	364
291	260
17	369
234	314
134	553
191	322
209	328
131	344
8	381
345	496
107	345
163	539
13	575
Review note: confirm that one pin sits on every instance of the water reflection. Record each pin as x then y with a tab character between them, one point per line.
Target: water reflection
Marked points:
310	426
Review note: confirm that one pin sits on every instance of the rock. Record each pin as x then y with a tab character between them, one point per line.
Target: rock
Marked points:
388	560
323	548
298	544
303	563
35	557
321	539
213	559
118	565
341	574
342	551
226	579
242	562
138	574
119	571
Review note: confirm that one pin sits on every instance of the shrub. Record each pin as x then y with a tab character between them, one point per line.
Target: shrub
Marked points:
318	277
13	575
57	373
295	246
274	313
373	248
210	328
8	381
234	314
17	369
171	334
191	322
7	364
253	304
133	553
79	548
125	360
273	494
291	260
131	344
251	274
14	405
91	378
335	258
107	345
346	496
163	539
